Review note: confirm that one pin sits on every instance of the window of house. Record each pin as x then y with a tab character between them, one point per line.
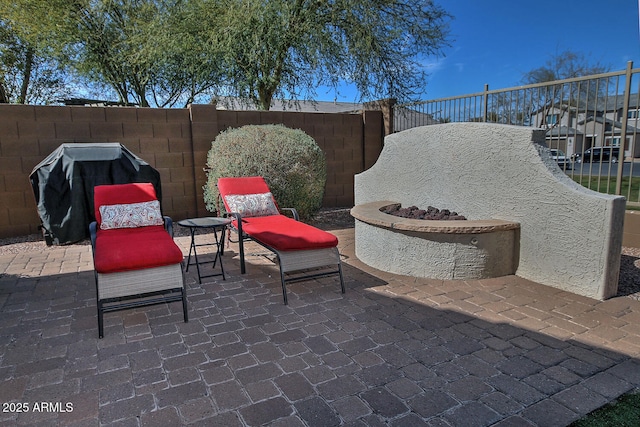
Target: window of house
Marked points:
615	141
612	141
552	119
633	114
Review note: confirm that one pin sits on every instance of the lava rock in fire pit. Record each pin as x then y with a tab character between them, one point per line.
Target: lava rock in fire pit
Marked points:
413	212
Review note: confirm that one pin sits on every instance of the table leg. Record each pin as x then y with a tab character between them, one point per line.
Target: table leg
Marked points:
191	247
195	254
219	251
217	255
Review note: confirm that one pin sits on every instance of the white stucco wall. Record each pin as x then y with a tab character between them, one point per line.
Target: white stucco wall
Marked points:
571	237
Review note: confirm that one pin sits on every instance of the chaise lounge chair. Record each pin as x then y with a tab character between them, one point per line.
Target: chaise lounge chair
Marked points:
135	259
302	251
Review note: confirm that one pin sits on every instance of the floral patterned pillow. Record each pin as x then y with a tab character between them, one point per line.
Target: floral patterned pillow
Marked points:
252	204
130	215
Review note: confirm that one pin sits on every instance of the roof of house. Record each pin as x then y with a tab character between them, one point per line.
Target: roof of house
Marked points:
407	118
94	102
616	102
230	103
614	124
601	104
563	131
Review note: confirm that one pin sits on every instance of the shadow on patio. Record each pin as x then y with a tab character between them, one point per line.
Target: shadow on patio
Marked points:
393	350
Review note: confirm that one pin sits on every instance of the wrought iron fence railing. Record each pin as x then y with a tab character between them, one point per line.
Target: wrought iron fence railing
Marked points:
591	123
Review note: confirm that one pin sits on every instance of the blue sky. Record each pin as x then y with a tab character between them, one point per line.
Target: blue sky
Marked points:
496	42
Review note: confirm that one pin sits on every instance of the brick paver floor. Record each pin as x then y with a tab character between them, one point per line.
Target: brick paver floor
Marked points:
393	350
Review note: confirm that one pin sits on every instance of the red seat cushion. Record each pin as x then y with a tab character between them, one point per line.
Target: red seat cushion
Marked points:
285	234
127	249
276	231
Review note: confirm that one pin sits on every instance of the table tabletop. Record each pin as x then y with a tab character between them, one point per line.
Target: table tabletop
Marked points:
204	222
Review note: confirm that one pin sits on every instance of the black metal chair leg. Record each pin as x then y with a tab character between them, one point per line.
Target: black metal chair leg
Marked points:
184	306
100	320
284	288
243	268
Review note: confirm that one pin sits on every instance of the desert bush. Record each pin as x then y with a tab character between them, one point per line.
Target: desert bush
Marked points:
290	161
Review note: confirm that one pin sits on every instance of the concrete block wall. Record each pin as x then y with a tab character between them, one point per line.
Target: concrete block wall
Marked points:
174	141
161	137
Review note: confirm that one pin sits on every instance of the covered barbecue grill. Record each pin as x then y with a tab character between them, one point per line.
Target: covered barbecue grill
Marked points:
63	185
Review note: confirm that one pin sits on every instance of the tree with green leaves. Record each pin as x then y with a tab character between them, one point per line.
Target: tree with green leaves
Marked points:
27	75
188	67
145	52
164	52
287	48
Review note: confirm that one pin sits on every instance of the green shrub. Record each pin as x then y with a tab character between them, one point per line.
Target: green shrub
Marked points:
289	160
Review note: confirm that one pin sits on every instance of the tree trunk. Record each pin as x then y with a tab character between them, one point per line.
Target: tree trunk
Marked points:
26	77
4	96
264	99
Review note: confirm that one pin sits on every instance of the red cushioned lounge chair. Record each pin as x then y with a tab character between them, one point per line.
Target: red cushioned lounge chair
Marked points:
135	258
302	249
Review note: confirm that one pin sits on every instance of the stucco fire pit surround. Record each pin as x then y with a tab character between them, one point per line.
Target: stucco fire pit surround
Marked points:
444	249
525	216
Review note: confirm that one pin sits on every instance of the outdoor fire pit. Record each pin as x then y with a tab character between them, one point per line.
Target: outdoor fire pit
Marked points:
439	249
429	214
525	216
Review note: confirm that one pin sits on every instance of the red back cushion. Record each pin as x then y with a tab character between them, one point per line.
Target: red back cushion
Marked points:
243	185
121	194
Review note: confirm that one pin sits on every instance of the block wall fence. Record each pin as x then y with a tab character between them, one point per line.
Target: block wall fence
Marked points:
173	141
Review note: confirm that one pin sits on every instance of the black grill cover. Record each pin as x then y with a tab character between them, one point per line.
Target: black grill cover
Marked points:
63	185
